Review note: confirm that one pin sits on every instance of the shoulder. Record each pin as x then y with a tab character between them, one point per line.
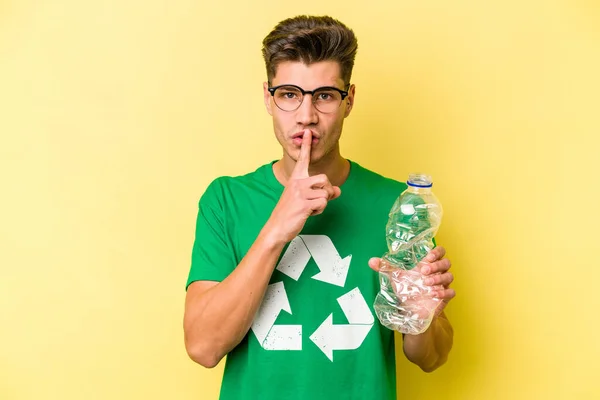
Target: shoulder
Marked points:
373	180
224	186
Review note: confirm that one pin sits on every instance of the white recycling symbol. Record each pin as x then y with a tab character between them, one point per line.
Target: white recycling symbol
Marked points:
333	270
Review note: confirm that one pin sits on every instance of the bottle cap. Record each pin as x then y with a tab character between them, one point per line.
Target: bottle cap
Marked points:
419	180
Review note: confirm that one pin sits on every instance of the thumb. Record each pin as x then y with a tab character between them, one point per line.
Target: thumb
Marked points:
375	264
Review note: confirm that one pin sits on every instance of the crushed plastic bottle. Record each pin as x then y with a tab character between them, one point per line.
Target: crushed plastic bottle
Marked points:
404	303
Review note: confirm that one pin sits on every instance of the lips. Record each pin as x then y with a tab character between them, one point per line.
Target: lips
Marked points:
301	134
297	138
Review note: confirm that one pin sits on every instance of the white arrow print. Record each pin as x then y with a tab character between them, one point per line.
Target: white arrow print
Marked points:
271	336
329	337
333	268
294	259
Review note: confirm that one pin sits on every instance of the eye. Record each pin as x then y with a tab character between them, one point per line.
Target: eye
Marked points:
286	93
326	96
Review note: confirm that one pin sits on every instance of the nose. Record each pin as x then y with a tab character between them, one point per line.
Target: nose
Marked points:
307	114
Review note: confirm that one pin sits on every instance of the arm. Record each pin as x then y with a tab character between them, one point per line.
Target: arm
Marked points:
219	314
430	349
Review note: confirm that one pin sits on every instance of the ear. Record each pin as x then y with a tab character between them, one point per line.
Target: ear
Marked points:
350	100
267	97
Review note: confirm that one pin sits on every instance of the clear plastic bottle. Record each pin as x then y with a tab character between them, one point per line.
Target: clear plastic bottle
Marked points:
404	303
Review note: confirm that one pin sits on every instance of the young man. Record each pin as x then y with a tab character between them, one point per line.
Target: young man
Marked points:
279	279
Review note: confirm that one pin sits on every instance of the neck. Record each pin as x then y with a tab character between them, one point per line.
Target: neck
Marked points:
333	165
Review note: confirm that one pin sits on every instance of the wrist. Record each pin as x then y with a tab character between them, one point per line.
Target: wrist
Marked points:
271	238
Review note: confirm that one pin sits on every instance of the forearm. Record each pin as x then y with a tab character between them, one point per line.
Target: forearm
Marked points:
219	318
430	349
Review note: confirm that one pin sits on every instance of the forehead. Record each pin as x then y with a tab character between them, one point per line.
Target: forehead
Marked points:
308	76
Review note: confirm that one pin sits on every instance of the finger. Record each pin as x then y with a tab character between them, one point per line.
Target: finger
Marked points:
318	194
375	263
319	181
301	167
439	266
441	279
318	205
436	254
337	192
444	294
322	182
327	187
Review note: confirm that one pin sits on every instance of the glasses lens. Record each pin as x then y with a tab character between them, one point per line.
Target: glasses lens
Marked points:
288	98
327	100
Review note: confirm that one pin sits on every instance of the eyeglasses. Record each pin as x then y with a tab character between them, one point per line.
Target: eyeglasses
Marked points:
326	99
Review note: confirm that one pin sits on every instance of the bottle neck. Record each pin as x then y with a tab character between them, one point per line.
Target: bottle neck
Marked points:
419	190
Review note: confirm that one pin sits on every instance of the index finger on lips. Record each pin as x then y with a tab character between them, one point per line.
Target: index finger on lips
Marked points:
301	167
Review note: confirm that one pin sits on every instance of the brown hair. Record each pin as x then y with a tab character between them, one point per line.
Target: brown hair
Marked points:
310	39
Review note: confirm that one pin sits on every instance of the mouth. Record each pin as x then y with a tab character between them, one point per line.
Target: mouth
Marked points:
297	138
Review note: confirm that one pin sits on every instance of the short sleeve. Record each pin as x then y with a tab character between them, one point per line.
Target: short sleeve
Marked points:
212	253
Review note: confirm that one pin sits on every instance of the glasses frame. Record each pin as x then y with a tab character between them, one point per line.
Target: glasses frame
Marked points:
343	93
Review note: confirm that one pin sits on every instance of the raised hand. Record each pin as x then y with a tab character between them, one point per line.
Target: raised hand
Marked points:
302	197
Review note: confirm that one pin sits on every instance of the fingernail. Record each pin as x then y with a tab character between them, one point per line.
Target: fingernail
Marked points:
425	270
429	281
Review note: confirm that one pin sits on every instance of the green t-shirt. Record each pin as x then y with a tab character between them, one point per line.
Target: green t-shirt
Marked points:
316	335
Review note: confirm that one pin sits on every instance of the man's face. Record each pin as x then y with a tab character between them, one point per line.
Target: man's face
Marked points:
326	128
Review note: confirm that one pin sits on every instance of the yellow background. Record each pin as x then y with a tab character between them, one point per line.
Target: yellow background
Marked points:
115	115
